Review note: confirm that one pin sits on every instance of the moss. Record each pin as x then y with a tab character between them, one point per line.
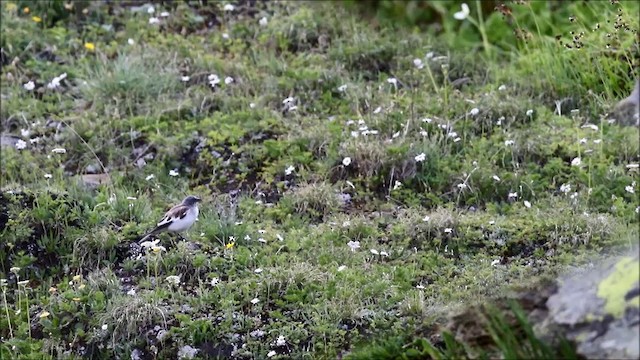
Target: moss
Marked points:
614	288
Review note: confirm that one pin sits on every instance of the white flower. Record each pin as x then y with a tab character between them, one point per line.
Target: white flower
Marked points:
429	55
353	245
509	142
185	78
255	301
150	10
130	41
257	271
452	134
149	177
597	141
342	88
346	161
462	186
384	253
374	252
263	21
262	240
448	230
377	110
397	185
420	287
59	151
529	112
632	166
393	81
527	204
590	126
173	172
495	262
271	353
462	14
281	341
48	176
426	218
427	120
187	352
229	7
213	80
131	292
215	281
423	133
228	80
513	195
395	135
104	327
355	134
21	144
173	279
583	141
474	112
164	14
154	20
418	63
289	170
55	82
496	178
576	162
342	267
565	188
502	87
225	35
29	86
629	188
421	157
499	121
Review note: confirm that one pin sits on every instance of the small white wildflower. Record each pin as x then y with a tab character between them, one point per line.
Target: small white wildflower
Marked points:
228	80
463	13
289	170
21	144
423	133
374	251
462	186
565	188
288	100
55	82
355	134
583	141
213	80
353	245
255	301
590	126
509	142
499	121
630	188
29	86
262	240
393	81
529	112
151	10
495	262
215	281
130	41
448	230
173	279
262	231
427	120
496	178
452	134
420	287
342	88
257	271
174	172
342	267
457	139
474	112
225	36
527	204
377	110
492	222
429	55
187	352
131	292
132	198
229	7
149	177
421	157
185	78
384	253
263	21
346	161
271	353
104	327
426	218
513	195
164	14
418	63
153	20
576	162
59	151
281	341
34	140
279	237
48	176
632	166
395	134
23	282
502	87
397	185
597	141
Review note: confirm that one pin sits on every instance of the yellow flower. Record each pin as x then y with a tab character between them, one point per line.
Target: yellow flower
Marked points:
77	278
26	10
44	314
52	289
76	299
36	19
82	286
89	46
230	245
68	6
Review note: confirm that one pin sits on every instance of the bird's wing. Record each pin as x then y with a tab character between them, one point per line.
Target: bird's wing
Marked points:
176	212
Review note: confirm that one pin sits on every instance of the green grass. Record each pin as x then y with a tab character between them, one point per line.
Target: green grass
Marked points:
362	177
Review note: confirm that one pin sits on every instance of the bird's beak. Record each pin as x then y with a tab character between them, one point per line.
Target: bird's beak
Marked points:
198	199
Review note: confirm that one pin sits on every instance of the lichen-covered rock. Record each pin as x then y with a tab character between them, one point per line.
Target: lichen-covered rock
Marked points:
627	111
598	308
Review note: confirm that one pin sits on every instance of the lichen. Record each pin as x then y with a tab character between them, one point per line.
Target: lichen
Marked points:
614	287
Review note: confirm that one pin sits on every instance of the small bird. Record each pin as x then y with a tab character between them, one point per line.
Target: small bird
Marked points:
179	218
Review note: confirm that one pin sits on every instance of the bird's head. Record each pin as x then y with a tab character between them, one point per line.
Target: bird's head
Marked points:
191	200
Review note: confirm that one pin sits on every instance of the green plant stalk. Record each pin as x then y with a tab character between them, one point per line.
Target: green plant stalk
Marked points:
6	310
483	33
